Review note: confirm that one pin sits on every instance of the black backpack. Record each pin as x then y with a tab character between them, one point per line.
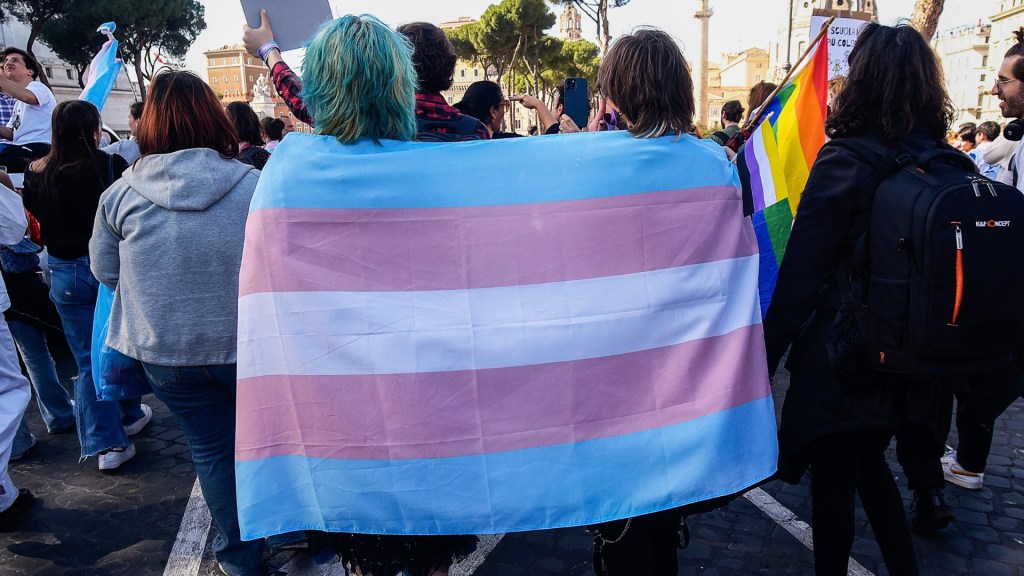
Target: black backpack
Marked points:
937	285
734	142
462	129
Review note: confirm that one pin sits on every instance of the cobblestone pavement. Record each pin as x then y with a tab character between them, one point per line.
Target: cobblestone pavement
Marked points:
126	522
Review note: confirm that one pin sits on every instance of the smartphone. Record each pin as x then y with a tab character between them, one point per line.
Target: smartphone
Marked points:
576	104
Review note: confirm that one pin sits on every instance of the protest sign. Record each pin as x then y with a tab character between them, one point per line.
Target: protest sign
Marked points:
842	36
293	22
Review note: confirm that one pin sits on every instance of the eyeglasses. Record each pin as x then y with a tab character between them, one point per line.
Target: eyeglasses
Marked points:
1002	83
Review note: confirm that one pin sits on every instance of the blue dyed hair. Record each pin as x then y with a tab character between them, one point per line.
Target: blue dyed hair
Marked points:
358	81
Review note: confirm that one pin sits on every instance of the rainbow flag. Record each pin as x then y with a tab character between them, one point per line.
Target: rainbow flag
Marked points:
776	160
103	70
436	339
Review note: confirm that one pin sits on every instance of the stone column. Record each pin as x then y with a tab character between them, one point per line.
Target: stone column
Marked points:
704	14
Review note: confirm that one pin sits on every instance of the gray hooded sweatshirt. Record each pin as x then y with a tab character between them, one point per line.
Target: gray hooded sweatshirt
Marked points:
168	238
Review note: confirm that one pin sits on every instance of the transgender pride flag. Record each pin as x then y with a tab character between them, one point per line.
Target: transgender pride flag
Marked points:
103	70
496	336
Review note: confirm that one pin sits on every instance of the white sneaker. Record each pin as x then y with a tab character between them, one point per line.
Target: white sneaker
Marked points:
137	426
114	457
956	474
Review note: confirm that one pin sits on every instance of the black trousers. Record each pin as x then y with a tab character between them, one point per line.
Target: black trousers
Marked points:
979	404
926	415
646	545
845	464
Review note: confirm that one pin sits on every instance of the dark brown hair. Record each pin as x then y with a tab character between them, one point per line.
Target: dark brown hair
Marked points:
758	94
647	78
1017	50
432	56
73	145
30	62
732	110
246	122
894	87
182	112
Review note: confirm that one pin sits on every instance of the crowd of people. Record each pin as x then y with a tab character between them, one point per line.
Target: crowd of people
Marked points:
183	183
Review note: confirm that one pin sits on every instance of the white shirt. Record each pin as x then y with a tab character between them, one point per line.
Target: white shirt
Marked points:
32	123
1014	173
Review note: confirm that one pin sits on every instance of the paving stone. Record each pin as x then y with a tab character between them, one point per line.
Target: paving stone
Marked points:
991	568
971	517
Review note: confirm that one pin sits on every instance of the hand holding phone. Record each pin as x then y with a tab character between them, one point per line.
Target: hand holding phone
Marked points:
576	104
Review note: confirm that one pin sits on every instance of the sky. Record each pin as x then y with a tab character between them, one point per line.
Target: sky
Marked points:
736	24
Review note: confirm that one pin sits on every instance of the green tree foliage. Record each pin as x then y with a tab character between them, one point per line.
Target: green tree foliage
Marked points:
73	37
34	14
168	27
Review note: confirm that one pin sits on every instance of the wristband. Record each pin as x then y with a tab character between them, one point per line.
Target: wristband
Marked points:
263	51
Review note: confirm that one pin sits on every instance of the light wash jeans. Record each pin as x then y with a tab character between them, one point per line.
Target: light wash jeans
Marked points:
100	424
14	397
52	398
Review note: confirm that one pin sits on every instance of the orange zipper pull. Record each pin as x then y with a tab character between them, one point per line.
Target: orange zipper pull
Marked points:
959	273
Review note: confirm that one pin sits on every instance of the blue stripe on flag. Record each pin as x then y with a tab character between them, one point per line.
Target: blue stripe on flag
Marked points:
581	483
769	267
350	176
103	75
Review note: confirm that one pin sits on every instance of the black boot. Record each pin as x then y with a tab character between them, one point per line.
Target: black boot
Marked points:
931	511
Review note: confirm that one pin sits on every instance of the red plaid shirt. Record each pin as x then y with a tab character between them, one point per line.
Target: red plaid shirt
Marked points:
428	106
289	86
434	107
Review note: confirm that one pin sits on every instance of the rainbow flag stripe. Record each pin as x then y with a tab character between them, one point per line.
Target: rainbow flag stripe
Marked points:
777	158
442	339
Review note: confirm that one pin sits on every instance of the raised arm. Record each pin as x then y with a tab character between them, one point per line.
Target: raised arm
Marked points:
260	43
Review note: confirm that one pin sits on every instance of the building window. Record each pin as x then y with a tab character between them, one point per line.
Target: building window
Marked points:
49	72
225	79
475	73
983	77
234	60
214	79
462	72
248	61
236	77
68	72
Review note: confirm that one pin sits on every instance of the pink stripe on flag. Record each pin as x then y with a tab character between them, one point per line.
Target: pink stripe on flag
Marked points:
484	247
446	414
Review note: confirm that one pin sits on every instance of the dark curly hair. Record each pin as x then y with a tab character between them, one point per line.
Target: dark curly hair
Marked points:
1017	50
433	56
894	86
247	123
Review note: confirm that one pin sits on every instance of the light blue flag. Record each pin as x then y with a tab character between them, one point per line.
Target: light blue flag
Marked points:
103	70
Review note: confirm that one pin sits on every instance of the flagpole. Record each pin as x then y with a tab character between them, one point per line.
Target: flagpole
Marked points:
810	47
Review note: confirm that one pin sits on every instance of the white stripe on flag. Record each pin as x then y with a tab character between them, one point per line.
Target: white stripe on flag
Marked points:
340	333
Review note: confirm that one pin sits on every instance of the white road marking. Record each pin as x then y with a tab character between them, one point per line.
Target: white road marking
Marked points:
476	559
798	528
187	553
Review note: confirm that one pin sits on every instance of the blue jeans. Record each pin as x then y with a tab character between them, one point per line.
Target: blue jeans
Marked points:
22	439
51	396
202	399
100	425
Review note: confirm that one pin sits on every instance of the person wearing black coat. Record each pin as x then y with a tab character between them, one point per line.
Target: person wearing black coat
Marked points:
895	96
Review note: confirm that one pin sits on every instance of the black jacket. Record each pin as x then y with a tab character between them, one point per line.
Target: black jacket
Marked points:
833	214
